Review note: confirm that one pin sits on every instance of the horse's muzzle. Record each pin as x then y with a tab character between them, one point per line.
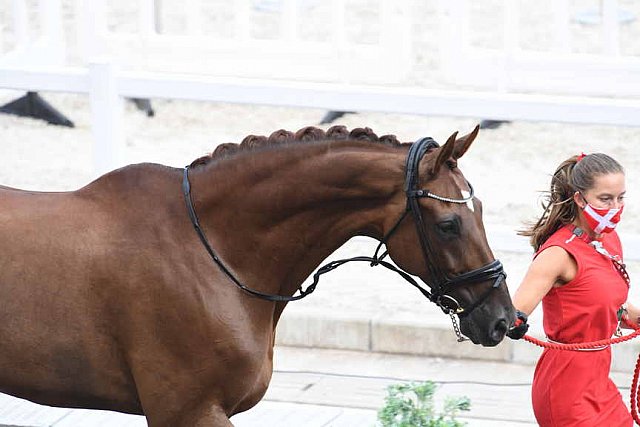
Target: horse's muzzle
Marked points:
485	330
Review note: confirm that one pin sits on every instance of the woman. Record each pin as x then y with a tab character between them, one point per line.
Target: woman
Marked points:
577	273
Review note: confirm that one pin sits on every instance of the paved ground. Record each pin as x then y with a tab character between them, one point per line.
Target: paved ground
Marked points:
313	387
322	388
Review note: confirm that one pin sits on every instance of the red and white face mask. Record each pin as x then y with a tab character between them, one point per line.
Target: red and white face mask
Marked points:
602	220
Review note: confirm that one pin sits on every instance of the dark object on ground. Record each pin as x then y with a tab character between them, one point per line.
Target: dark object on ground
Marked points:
492	124
334	115
144	104
33	105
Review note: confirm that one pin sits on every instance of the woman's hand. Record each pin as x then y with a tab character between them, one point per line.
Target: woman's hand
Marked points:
630	317
520	326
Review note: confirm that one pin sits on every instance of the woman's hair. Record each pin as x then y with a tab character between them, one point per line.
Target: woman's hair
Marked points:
577	173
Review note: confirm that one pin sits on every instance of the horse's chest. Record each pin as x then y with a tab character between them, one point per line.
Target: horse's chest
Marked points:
256	389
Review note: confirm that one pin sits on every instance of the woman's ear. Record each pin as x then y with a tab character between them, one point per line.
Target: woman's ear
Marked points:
579	200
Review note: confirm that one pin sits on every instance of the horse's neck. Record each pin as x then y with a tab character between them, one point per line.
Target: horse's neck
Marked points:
275	216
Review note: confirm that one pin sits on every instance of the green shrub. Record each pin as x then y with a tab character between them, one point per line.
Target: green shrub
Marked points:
411	405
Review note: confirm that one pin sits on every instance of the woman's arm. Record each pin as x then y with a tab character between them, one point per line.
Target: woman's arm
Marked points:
552	267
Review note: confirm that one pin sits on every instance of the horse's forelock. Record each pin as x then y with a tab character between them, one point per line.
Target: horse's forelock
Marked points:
307	133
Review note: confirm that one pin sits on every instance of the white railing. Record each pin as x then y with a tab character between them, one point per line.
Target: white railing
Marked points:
300	40
135	58
557	68
38	44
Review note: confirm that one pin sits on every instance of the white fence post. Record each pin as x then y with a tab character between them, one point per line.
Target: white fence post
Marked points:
610	27
511	44
290	18
53	36
92	27
20	22
242	19
106	117
147	18
561	28
193	9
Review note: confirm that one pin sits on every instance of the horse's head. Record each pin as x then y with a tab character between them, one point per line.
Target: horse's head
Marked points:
442	240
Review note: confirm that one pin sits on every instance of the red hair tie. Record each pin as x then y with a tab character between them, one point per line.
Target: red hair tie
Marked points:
580	157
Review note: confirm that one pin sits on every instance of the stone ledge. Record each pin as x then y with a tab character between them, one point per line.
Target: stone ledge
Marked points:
322	330
337	332
300	329
430	340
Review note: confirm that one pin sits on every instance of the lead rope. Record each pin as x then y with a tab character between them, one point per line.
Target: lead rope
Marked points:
634	397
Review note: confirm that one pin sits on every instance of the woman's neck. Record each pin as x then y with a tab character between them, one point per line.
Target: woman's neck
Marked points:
581	223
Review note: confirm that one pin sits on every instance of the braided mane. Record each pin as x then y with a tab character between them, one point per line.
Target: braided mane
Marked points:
306	134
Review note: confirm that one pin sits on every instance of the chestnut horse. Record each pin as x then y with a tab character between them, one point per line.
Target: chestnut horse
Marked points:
111	300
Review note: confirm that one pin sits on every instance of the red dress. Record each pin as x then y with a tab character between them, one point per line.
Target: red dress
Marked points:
573	388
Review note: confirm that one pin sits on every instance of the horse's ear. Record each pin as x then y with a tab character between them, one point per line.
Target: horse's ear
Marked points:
445	153
464	142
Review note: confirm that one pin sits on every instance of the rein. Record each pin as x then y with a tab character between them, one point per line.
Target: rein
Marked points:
438	294
634	397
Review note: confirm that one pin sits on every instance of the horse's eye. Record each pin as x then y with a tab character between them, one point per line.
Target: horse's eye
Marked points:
452	164
449	228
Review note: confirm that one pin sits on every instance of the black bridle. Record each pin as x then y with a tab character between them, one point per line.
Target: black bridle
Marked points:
442	284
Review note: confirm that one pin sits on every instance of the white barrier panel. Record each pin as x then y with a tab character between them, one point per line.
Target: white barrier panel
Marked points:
338	97
303	40
40	45
559	68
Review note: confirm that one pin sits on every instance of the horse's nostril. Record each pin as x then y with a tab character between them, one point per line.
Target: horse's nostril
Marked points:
500	329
